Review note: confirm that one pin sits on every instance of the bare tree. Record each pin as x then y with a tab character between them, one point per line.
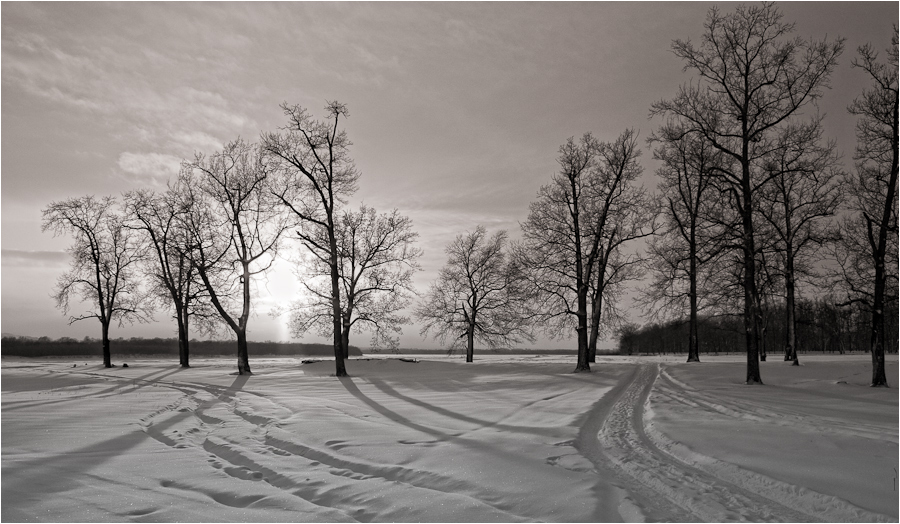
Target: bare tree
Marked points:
478	295
105	259
803	191
752	79
692	238
377	259
622	214
556	248
316	174
867	253
235	226
575	229
175	280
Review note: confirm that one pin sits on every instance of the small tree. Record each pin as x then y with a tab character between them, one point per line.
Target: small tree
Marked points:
803	191
105	258
235	227
692	238
316	174
574	232
478	295
377	261
174	279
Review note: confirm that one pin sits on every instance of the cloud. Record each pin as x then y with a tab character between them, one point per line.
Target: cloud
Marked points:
26	258
156	168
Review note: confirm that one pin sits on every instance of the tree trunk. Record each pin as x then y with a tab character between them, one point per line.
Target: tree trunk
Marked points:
107	360
345	341
243	355
340	370
879	378
183	350
596	307
693	339
583	364
763	327
751	318
790	346
470	342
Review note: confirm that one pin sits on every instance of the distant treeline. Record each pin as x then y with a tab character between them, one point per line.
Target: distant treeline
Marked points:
821	327
70	347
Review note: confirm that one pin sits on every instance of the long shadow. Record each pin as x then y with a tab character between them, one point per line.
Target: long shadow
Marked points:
456	438
481	423
499	501
61	471
123	382
392	415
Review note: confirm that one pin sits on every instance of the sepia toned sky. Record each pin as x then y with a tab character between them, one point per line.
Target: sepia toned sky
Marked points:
456	109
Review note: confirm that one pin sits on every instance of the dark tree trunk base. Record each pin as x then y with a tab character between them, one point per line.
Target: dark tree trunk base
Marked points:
693	359
754	383
796	362
582	369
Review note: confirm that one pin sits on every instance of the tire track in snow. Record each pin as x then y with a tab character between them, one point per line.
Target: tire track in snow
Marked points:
665	487
259	462
813	504
674	389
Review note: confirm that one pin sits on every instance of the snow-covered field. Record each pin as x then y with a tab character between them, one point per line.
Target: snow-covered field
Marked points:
502	439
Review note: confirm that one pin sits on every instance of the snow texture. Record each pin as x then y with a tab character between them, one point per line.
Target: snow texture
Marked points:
504	439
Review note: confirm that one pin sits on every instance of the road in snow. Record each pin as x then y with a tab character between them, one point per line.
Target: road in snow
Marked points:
509	439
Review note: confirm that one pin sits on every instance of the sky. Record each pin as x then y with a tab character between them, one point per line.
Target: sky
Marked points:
457	110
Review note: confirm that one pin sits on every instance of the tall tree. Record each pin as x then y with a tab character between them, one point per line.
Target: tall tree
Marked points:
377	260
573	229
105	259
623	213
478	295
556	248
316	174
692	237
752	79
803	191
174	279
868	255
235	226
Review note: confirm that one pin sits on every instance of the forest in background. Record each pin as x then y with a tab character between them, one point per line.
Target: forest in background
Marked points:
821	327
70	347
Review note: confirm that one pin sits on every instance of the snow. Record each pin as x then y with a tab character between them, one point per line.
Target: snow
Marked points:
502	439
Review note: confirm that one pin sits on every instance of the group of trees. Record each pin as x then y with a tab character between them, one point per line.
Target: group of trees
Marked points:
752	189
199	247
751	199
821	325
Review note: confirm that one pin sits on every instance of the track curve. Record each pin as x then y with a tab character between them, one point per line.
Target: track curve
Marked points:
665	488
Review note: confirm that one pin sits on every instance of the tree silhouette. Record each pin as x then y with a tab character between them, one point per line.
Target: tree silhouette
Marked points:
377	261
105	258
235	227
752	79
478	295
867	254
174	279
315	175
